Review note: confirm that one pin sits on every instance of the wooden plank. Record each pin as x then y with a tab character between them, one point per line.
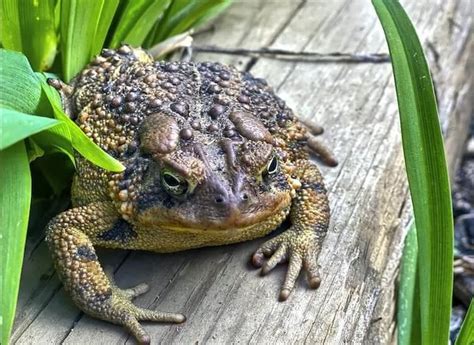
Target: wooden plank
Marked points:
225	300
365	109
248	24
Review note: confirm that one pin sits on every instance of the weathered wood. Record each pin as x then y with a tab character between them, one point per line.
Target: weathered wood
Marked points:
225	300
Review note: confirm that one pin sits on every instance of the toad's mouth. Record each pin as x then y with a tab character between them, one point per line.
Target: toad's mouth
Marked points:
235	219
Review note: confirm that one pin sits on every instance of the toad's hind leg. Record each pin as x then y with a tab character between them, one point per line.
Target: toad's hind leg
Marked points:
315	146
69	239
311	127
320	150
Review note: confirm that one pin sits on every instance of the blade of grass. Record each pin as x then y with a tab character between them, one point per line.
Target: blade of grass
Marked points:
28	27
466	334
15	197
406	292
16	126
136	20
426	169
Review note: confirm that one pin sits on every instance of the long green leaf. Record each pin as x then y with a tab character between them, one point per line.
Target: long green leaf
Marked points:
416	316
208	12
15	196
56	139
136	20
20	90
107	12
466	334
33	150
78	24
426	169
406	292
28	27
83	29
16	126
80	141
10	25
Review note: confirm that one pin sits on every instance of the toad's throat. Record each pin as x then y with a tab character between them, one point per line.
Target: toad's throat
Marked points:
235	219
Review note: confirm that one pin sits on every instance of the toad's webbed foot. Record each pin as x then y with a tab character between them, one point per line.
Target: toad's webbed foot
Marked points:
300	249
129	314
301	243
69	238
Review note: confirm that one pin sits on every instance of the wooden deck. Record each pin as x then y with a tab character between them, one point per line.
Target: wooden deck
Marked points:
227	302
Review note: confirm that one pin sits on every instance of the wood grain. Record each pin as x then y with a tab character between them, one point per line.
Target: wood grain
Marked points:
225	300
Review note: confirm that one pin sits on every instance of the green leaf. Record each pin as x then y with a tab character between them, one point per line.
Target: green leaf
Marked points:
211	10
15	197
406	291
28	27
416	316
426	169
33	150
107	12
20	90
182	15
83	25
80	141
56	139
136	20
466	334
16	126
21	94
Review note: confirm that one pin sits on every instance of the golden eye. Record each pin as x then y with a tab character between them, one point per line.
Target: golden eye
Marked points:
174	184
272	166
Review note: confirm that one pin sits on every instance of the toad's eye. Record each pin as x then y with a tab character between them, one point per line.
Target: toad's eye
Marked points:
272	166
174	184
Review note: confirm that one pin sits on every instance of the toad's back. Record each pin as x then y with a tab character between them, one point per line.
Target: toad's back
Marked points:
120	88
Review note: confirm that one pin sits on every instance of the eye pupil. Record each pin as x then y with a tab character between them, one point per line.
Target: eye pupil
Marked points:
170	180
174	185
272	167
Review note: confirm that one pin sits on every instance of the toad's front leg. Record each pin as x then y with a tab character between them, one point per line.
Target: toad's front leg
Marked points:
69	239
301	243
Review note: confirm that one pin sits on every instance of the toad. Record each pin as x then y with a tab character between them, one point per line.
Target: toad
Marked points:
212	157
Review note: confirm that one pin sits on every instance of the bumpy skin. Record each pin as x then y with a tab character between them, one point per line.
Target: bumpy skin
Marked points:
212	157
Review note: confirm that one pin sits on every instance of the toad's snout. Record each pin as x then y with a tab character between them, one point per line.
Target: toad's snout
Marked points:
232	208
231	201
231	204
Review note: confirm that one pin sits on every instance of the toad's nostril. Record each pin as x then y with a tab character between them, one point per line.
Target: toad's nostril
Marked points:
219	199
245	196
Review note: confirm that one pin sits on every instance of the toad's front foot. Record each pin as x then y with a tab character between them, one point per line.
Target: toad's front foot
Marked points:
120	309
300	248
94	292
